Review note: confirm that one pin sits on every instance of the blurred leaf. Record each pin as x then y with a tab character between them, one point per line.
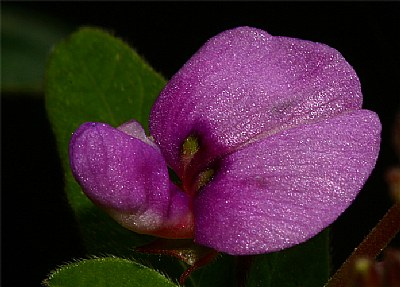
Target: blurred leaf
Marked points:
305	265
93	76
26	41
106	272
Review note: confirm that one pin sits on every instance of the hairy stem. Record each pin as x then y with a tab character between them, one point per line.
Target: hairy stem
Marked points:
379	237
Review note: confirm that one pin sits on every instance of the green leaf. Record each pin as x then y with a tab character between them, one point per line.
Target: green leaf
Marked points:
106	272
27	38
95	77
305	265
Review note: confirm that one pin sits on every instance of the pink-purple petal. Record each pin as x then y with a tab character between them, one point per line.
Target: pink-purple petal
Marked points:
128	178
284	189
135	129
245	83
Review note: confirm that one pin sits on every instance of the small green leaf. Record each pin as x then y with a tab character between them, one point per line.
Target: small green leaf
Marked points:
106	272
95	77
305	265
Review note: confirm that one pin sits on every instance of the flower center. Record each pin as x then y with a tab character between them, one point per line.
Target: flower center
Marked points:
203	178
196	173
189	148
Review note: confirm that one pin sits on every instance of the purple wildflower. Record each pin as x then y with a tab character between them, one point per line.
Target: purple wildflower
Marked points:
266	134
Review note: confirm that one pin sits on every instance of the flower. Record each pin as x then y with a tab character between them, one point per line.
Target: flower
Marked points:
265	133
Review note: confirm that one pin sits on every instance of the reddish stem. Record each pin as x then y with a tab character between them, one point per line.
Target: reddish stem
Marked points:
201	262
371	246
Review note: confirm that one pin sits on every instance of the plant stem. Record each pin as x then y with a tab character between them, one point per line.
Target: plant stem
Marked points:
379	237
243	264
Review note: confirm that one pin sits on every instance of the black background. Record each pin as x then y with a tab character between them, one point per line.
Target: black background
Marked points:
38	229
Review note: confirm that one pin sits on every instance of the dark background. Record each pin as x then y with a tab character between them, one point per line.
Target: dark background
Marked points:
38	229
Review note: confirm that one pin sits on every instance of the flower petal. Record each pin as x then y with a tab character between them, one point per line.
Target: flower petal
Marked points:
129	179
245	83
283	190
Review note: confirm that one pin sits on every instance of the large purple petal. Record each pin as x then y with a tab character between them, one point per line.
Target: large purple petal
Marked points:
127	176
283	190
245	83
